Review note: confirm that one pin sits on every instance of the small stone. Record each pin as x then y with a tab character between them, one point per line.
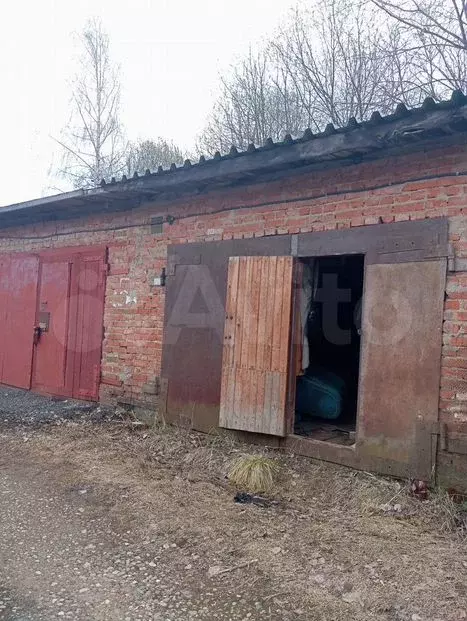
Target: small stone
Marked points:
214	571
354	597
318	579
276	550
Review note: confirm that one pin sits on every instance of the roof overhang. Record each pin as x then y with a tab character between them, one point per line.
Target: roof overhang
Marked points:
405	129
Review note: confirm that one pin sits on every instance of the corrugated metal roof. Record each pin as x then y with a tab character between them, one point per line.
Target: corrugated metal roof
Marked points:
405	126
457	100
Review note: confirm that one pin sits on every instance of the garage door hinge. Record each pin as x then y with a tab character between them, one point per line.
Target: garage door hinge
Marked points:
441	430
172	261
294	245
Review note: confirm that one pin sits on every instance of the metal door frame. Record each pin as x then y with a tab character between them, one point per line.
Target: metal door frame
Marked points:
392	242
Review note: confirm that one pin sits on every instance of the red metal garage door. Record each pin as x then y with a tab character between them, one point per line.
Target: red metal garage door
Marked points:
53	313
62	292
70	315
18	292
88	292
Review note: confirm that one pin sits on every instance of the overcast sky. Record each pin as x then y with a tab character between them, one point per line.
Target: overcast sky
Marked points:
170	52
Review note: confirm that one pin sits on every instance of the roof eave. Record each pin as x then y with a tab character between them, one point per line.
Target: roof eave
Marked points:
369	139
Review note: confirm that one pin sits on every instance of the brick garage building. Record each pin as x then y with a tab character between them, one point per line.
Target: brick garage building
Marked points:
178	291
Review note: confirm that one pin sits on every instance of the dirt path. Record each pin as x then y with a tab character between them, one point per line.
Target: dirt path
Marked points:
99	522
76	552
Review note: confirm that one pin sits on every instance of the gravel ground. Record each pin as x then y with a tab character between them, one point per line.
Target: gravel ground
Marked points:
27	408
65	555
21	407
105	521
61	557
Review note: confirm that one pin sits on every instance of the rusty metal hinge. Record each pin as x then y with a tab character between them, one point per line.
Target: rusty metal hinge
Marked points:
441	430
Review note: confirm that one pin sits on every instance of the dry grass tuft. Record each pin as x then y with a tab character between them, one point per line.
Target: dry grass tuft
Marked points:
254	473
442	512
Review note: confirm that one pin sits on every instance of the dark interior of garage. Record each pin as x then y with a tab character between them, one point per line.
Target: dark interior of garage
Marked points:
327	364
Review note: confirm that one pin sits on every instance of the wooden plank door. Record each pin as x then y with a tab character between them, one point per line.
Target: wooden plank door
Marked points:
257	344
400	365
18	299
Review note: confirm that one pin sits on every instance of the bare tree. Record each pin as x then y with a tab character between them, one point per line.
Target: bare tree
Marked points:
437	30
325	65
150	154
339	59
93	144
441	21
255	103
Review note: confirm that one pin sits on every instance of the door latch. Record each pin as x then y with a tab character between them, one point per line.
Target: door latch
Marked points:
37	334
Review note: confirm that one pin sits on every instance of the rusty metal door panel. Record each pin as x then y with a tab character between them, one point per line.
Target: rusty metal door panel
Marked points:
428	237
400	366
218	253
50	364
192	343
194	325
86	336
19	297
256	344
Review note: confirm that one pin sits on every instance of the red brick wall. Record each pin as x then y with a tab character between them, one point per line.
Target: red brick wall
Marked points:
453	396
348	196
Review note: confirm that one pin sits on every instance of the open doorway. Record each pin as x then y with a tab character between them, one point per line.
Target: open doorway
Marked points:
328	348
